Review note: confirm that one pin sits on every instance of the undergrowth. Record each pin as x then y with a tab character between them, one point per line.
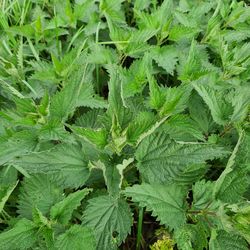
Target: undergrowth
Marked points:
124	124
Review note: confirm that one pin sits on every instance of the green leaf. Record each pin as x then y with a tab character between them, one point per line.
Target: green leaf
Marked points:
168	101
44	226
112	10
167	202
141	4
191	174
55	131
98	137
134	79
200	113
205	209
77	238
8	176
181	128
142	123
19	144
191	236
241	222
137	44
110	219
159	19
215	100
241	104
223	240
77	92
62	211
22	236
166	57
112	179
180	32
5	196
115	91
234	186
195	64
202	196
67	159
171	159
113	174
39	191
90	119
229	167
183	238
157	97
39	219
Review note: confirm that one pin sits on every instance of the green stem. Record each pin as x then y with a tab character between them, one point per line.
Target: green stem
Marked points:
97	68
113	42
139	229
57	36
204	212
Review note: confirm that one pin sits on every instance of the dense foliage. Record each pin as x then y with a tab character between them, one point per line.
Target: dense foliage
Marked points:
124	124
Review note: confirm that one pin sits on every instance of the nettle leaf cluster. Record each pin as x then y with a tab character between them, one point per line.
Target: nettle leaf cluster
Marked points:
113	110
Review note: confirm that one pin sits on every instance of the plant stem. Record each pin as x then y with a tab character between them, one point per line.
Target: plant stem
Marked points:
97	68
139	229
201	212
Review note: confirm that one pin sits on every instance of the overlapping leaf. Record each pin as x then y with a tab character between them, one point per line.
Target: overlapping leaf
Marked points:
167	202
161	159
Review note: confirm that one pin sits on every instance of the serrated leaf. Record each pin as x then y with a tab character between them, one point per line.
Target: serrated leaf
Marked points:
167	202
234	186
90	119
200	113
168	101
141	4
5	196
20	143
77	238
115	99
220	109
113	174
202	196
230	165
166	57
55	131
191	174
180	32
39	219
112	10
22	236
78	92
137	44
63	210
223	240
134	79
67	159
183	238
241	104
157	97
191	236
241	222
45	227
40	191
110	219
181	128
143	122
98	137
169	158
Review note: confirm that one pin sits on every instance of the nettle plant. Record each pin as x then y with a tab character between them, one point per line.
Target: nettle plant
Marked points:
113	110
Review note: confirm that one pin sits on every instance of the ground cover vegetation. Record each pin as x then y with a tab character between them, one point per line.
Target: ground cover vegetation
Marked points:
124	124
